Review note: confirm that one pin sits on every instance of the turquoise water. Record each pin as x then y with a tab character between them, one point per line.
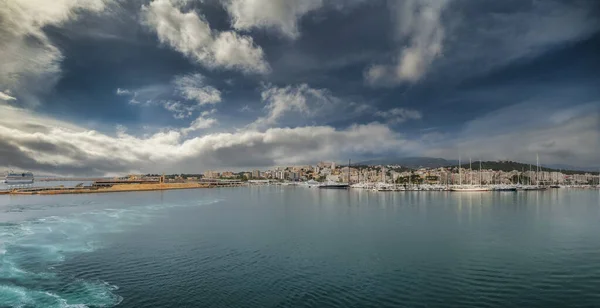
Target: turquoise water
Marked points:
300	247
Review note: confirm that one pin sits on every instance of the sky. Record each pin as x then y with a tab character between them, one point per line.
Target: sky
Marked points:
102	87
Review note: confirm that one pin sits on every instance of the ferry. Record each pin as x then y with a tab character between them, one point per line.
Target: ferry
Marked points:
13	178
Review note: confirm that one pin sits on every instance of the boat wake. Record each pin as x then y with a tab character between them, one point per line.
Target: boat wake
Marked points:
32	250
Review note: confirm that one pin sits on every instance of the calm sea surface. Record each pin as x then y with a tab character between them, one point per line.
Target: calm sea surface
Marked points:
301	247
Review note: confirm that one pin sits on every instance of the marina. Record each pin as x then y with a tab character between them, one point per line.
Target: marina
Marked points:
112	186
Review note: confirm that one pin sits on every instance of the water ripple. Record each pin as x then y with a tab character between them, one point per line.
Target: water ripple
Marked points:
30	251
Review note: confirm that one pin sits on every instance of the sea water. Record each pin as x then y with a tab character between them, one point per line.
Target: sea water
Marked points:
301	247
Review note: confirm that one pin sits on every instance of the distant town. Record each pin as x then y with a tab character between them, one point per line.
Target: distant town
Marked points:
483	173
473	176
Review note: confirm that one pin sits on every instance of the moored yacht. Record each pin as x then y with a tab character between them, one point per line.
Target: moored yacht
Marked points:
381	186
504	187
362	185
334	185
312	184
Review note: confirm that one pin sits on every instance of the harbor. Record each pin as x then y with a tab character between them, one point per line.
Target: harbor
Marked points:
378	178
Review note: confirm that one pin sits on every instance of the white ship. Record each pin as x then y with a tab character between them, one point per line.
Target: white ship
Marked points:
312	184
13	178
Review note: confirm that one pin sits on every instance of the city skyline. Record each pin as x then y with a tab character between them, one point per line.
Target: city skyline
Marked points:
371	174
105	87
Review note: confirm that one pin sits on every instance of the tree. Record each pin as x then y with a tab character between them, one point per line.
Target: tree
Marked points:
416	179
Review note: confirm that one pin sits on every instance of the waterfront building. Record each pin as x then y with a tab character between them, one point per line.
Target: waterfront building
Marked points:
294	176
227	174
210	174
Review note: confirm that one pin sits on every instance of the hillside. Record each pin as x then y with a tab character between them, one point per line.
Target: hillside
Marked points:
511	165
410	162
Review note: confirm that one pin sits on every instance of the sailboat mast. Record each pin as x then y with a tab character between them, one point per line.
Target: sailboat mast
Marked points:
459	172
521	175
480	172
470	171
537	170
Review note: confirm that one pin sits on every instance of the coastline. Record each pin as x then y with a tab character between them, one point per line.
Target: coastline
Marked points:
111	189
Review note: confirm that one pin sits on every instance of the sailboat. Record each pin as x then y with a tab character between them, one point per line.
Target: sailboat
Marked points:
471	187
503	187
556	184
537	186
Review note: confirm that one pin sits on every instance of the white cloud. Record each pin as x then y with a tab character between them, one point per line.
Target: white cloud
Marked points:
6	96
200	123
190	34
301	105
419	22
190	87
399	115
280	15
178	109
208	112
445	40
300	100
43	144
123	92
30	61
183	111
193	87
132	94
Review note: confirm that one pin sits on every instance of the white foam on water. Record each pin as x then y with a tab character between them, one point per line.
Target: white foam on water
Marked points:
30	249
13	296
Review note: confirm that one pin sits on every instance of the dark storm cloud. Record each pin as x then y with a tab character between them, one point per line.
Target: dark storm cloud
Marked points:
13	156
60	148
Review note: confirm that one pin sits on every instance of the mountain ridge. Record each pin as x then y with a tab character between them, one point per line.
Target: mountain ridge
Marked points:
436	162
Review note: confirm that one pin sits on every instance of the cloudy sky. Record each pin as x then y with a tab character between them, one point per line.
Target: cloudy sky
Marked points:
90	87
